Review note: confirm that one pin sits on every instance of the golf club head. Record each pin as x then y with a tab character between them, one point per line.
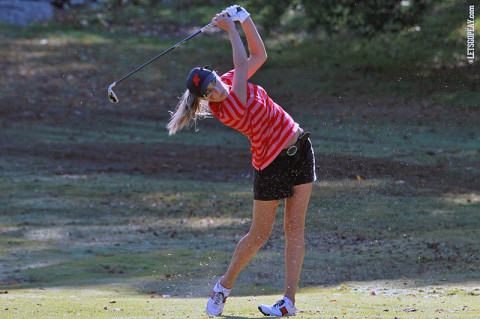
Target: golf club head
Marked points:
111	95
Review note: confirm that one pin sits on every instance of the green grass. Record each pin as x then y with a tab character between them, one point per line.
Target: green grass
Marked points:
342	301
103	215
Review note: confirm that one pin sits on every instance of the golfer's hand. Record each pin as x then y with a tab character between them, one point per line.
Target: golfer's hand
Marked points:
237	13
223	21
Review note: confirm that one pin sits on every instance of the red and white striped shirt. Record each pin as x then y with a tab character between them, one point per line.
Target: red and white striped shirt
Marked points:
266	124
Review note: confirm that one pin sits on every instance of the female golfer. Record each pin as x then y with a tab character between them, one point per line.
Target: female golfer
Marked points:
283	159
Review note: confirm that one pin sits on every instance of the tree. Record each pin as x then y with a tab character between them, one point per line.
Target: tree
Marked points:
366	17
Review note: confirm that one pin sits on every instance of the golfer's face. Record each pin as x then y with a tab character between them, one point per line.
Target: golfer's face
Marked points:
216	91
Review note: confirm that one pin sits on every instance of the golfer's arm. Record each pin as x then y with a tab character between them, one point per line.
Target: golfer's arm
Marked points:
240	64
258	54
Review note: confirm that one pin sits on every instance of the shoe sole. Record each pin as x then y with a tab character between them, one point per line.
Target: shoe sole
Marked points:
268	315
260	309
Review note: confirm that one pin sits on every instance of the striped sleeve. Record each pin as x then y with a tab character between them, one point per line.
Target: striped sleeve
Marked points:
227	78
231	109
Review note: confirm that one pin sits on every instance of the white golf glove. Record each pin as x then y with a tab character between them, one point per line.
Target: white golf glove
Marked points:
236	15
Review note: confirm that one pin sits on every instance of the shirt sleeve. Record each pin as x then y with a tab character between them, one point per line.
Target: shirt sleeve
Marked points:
230	109
227	78
233	106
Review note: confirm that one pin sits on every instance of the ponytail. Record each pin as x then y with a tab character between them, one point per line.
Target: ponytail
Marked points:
188	108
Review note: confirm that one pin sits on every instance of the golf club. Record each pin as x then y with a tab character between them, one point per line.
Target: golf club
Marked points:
113	97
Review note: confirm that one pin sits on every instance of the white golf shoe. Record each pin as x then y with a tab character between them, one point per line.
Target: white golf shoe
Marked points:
281	308
217	300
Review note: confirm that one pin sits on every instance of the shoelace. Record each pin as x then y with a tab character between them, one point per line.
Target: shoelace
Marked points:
279	304
218	298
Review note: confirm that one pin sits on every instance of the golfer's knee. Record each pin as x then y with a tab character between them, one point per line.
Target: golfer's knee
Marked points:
258	238
298	241
294	232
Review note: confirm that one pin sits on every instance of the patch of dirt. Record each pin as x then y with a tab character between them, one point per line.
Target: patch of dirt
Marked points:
223	164
194	161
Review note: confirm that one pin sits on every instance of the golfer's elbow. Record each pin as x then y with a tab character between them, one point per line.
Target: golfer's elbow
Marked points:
264	57
260	57
263	53
257	61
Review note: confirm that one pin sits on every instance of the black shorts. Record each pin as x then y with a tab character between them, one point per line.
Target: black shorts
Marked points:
276	181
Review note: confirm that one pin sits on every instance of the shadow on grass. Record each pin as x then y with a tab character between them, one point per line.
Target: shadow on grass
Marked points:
153	159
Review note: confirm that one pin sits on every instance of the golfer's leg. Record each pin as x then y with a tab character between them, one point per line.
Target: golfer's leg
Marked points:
294	223
262	224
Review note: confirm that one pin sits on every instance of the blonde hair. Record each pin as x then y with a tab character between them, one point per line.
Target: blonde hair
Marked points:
189	107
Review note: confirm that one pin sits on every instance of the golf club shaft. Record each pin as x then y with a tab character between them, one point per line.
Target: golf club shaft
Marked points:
165	52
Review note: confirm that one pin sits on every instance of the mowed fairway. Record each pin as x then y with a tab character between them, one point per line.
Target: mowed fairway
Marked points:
342	302
102	215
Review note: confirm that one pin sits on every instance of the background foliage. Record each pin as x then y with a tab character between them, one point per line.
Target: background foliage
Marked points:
362	17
